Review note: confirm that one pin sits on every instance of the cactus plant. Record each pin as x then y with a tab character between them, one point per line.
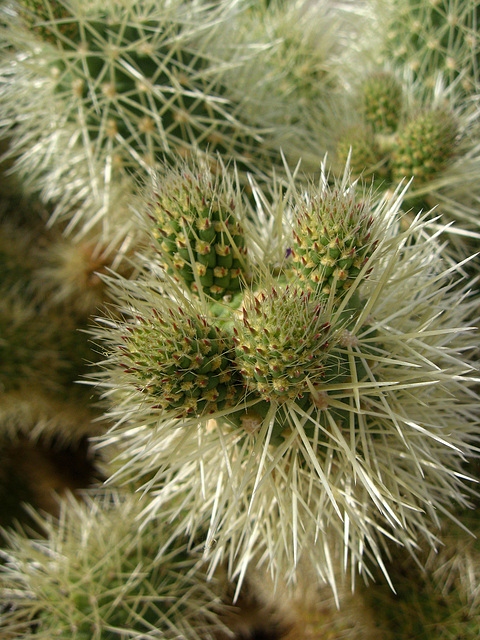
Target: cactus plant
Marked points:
439	36
333	384
108	580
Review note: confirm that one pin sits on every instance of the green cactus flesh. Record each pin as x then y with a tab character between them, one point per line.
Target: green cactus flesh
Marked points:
182	362
199	237
425	146
333	240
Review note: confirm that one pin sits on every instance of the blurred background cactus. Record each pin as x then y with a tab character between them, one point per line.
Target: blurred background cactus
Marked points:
238	319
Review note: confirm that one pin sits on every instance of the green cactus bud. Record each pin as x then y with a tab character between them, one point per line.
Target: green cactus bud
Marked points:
181	361
281	343
358	142
199	236
334	237
382	99
425	146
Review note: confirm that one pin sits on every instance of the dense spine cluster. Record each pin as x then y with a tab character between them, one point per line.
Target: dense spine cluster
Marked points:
285	357
140	80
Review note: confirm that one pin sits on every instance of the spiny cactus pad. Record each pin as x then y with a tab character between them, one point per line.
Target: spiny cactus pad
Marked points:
199	236
181	361
334	236
425	146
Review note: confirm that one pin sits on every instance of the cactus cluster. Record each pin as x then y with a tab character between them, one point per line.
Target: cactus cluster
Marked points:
394	139
317	380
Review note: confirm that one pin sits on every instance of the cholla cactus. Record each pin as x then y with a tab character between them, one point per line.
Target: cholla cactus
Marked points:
281	343
358	146
435	142
200	238
112	88
95	574
433	36
342	435
181	361
426	143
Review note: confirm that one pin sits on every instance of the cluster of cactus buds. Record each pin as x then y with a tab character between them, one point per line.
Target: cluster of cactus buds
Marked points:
394	142
199	237
334	236
182	361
